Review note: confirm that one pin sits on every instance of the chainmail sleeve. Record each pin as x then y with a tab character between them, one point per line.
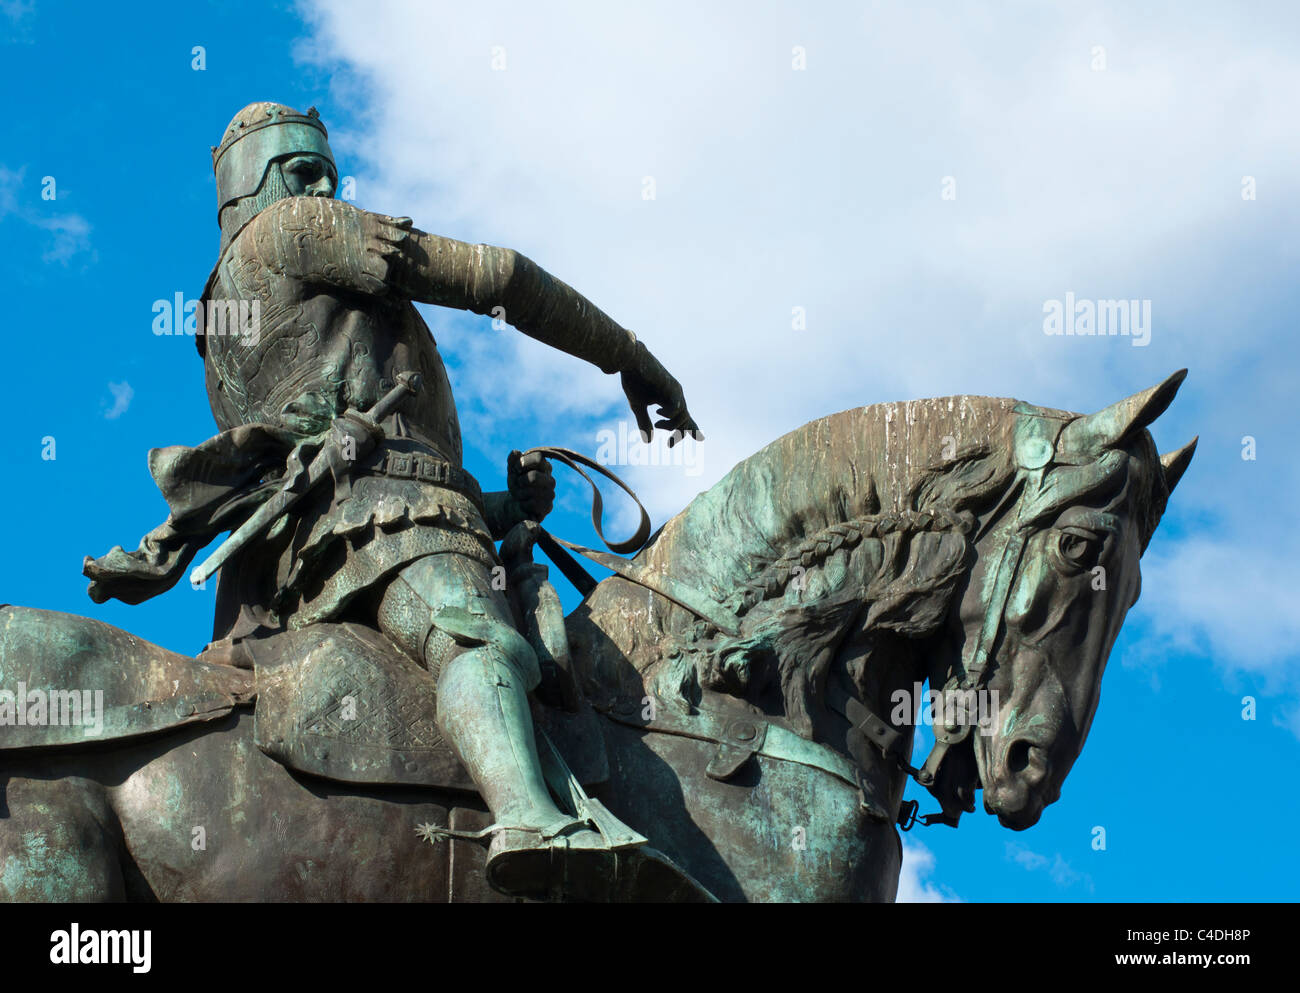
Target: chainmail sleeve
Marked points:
481	279
315	240
330	242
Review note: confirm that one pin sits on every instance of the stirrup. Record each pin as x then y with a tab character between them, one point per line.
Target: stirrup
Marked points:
484	836
556	872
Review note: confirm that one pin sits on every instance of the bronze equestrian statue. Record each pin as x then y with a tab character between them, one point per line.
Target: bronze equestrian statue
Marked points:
391	708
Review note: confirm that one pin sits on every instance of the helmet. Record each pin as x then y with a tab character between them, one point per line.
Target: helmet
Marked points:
258	135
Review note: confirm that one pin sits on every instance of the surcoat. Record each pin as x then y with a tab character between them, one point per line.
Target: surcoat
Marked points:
332	336
333	325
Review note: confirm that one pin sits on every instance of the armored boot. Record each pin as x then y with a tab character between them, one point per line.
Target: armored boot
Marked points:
536	850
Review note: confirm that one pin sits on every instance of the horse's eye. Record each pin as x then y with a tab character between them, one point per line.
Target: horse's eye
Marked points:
1076	549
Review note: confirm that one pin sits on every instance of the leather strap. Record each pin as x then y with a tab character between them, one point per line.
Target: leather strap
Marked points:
575	461
740	738
864	721
666	586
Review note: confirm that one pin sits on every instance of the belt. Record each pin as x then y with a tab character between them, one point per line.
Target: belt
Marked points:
431	469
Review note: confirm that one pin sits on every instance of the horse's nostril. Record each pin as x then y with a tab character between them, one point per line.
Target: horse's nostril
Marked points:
1018	757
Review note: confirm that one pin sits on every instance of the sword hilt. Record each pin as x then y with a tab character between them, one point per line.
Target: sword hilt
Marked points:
408	384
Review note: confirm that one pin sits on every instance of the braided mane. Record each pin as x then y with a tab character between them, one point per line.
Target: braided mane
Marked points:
880	503
815	549
867	471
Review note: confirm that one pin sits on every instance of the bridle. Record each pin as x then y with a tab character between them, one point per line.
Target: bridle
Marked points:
1035	448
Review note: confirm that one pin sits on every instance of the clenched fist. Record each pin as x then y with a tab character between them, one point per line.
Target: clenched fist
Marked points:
531	484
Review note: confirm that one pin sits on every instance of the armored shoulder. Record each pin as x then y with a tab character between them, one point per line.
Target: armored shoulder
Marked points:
323	241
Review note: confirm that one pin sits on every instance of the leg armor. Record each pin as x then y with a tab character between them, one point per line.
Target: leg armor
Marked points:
443	611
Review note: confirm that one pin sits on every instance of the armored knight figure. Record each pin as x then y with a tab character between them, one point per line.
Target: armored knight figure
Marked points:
402	539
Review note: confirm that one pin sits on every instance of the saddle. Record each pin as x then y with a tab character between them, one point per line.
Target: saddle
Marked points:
72	681
341	702
332	700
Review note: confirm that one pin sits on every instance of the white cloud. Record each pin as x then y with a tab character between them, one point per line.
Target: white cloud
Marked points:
1227	601
913	886
1289	719
71	236
10	184
70	232
821	189
1058	869
122	396
16	11
1023	857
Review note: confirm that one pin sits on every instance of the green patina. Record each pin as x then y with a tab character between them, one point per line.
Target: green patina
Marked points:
402	538
1010	724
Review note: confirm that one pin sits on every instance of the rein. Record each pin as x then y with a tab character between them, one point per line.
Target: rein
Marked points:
557	549
1035	450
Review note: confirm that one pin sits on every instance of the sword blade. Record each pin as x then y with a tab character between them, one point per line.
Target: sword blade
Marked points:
246	532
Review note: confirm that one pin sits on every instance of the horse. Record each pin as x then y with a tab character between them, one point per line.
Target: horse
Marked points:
753	677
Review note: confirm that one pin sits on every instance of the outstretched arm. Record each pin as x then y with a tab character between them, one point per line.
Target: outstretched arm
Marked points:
502	283
327	241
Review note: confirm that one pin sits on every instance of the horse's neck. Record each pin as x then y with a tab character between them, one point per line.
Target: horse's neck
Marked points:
881	460
860	508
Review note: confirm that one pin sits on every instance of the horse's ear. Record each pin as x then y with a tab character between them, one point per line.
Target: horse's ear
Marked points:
1113	426
1175	463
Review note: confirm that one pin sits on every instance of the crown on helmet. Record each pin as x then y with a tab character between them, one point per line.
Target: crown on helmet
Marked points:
256	136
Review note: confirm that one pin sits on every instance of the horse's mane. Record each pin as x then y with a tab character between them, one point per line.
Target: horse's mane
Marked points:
882	463
895	490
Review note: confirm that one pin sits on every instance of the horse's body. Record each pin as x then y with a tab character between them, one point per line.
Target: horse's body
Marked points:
120	824
860	552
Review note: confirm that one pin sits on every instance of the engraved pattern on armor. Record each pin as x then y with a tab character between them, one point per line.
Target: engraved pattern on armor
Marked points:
319	354
439	649
369	711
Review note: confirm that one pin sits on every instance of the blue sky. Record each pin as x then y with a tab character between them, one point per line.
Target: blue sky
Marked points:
774	188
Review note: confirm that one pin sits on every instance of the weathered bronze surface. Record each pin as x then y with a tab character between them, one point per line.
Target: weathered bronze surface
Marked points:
394	708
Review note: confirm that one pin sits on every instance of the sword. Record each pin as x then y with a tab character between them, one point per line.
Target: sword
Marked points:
408	384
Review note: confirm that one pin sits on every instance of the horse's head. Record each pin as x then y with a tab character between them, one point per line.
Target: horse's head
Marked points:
1055	572
990	545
